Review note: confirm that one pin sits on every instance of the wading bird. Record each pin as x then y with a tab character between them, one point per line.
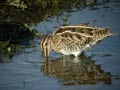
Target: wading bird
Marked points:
73	39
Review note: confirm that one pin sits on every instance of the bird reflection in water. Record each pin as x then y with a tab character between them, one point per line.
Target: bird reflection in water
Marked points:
68	72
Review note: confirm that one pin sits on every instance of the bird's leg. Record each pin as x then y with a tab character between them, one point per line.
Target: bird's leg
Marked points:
78	57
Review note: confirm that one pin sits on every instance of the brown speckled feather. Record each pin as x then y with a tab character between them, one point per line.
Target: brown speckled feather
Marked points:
71	41
87	31
80	35
74	39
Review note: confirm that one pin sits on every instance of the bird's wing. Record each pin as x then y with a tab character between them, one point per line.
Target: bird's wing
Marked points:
82	30
87	31
68	38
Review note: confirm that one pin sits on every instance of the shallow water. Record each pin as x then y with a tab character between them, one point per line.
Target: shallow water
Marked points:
97	69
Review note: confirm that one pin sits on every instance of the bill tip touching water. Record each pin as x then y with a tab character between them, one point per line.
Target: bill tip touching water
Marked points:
73	39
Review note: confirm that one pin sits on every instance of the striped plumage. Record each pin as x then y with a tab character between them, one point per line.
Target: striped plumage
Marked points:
73	39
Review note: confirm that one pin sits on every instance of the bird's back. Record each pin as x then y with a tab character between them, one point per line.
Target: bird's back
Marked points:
83	30
80	37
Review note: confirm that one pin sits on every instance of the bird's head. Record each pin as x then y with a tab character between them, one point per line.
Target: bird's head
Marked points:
46	45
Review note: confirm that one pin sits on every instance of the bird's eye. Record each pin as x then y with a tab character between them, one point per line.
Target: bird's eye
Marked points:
45	44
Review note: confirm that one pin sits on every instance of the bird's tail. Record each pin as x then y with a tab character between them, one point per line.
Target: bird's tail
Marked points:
104	32
111	34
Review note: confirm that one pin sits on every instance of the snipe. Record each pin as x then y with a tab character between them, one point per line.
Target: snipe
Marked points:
73	39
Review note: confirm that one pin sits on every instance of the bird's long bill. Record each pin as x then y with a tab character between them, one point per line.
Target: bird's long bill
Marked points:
45	53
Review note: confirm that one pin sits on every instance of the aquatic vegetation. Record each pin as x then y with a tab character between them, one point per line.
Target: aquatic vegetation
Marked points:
17	3
34	11
14	37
